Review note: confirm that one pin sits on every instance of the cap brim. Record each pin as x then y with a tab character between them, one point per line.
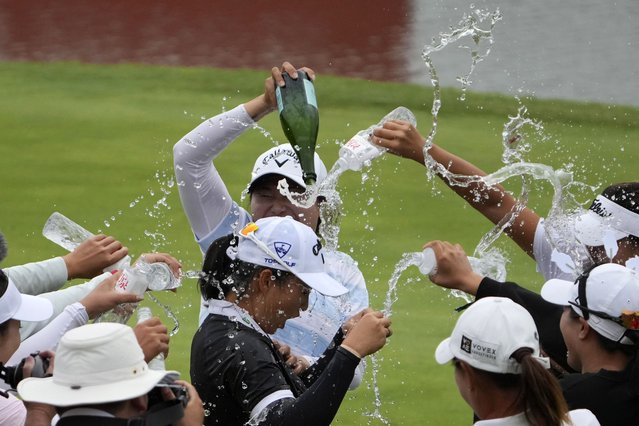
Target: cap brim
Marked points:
559	292
590	229
322	283
443	354
46	391
33	308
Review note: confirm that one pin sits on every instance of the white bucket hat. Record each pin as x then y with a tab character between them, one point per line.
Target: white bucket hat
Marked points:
95	364
610	290
286	244
282	160
605	217
488	333
22	307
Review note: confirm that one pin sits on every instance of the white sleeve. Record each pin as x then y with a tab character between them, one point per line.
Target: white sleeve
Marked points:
205	199
12	411
60	300
47	339
39	277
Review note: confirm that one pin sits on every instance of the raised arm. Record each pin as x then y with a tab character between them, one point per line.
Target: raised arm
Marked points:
493	202
205	199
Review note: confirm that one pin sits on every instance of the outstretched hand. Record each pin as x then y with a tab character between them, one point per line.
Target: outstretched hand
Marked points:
153	338
93	255
267	102
401	138
453	268
105	297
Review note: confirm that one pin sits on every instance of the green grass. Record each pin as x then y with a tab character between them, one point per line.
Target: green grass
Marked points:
94	142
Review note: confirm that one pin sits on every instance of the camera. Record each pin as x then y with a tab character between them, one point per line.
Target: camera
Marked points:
14	374
179	391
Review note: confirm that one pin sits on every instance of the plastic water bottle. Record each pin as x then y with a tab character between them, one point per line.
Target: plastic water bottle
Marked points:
157	363
160	277
360	149
428	262
299	117
69	235
133	280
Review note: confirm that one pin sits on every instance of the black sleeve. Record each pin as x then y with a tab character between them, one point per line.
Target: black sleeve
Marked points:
319	404
315	370
545	314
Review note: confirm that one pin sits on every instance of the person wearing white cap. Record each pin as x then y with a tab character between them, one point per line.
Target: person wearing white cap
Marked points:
15	307
499	370
212	212
100	378
255	282
598	328
600	325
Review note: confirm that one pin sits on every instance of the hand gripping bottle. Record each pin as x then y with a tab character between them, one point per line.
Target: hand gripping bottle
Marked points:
157	363
299	117
69	235
360	150
137	279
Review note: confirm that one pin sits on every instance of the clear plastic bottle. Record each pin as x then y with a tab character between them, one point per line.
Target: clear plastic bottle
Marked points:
161	277
428	262
69	235
360	150
157	363
133	280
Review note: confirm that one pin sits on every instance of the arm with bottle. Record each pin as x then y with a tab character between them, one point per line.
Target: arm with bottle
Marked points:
493	202
205	198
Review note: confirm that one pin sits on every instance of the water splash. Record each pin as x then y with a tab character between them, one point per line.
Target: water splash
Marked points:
469	26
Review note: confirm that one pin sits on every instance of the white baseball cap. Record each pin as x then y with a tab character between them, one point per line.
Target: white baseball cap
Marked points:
611	290
488	333
95	364
286	244
282	160
606	216
23	307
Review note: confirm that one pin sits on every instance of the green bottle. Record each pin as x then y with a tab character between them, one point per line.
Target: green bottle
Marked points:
297	105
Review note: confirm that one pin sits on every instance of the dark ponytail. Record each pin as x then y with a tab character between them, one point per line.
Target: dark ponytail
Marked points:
540	395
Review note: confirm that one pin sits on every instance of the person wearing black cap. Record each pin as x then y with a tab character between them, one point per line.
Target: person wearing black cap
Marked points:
254	285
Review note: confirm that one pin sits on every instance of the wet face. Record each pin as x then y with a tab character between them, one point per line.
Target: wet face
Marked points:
282	301
266	201
570	325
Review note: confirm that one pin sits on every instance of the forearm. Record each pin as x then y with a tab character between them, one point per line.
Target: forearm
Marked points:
60	299
39	277
319	404
47	339
204	196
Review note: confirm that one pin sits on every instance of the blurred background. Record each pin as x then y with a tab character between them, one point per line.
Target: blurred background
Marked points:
572	49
